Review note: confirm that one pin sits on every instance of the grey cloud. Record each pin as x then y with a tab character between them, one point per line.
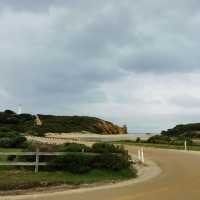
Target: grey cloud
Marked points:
32	5
56	54
162	61
186	101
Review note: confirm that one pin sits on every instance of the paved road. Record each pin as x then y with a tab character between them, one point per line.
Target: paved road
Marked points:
180	180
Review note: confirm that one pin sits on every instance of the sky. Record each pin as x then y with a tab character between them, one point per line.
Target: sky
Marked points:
133	62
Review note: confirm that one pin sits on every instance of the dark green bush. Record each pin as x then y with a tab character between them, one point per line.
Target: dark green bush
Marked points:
164	139
110	157
75	163
9	112
74	147
35	133
109	161
12	158
11	139
138	140
159	139
80	163
100	156
107	148
32	146
184	130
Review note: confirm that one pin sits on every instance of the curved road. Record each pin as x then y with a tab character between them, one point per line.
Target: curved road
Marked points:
179	180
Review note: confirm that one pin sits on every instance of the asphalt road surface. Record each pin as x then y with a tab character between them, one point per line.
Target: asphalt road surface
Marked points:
179	180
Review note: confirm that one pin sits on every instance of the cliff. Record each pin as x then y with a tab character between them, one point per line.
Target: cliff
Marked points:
28	123
109	128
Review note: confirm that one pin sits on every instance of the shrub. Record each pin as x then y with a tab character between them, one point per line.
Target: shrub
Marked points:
26	117
35	133
12	139
80	163
75	163
5	130
113	162
107	148
12	158
32	146
159	139
164	139
138	140
10	112
74	147
110	157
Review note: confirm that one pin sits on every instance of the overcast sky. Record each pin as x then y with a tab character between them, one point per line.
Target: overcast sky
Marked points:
134	62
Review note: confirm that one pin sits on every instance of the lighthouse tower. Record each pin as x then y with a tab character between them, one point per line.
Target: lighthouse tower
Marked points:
19	111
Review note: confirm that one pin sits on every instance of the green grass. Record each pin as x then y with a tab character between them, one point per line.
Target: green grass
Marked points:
4	158
12	180
9	150
161	146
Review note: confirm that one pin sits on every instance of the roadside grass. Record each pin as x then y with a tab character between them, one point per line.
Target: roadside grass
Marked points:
4	158
15	180
10	149
195	147
19	178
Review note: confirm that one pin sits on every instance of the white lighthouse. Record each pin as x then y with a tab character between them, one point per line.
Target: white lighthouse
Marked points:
19	111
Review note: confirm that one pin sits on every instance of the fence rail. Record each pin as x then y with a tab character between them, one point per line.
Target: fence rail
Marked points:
22	164
44	153
37	155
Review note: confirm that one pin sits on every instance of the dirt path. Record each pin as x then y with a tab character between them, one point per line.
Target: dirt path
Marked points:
179	180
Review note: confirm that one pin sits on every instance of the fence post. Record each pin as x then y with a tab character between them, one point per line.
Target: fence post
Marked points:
185	145
142	155
139	155
37	160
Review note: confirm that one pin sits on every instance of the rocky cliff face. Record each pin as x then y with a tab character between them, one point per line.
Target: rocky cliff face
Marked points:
111	129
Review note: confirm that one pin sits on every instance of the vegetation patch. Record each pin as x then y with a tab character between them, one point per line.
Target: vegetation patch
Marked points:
11	139
15	180
27	123
179	145
184	130
81	164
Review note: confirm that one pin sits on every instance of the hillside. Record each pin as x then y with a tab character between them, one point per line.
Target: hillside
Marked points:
184	130
28	123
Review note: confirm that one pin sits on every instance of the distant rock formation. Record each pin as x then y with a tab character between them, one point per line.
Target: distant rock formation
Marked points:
110	129
57	124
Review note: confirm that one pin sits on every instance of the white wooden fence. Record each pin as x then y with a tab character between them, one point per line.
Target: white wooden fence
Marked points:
37	155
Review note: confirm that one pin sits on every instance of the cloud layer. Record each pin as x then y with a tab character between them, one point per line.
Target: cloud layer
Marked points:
131	62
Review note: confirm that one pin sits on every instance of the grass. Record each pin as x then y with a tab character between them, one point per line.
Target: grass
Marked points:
161	146
10	149
13	180
4	158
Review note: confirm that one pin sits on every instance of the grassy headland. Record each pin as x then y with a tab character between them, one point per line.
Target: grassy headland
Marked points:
28	123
